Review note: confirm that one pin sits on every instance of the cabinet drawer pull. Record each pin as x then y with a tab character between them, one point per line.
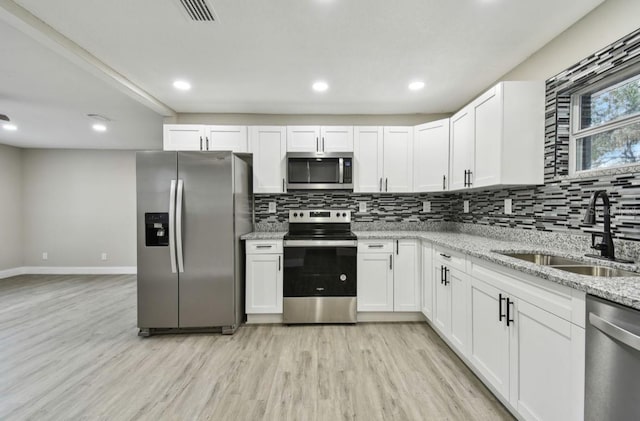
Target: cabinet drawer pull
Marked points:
386	184
397	246
390	261
200	142
279	264
207	138
500	300
261	246
509	319
380	183
375	246
445	256
444	182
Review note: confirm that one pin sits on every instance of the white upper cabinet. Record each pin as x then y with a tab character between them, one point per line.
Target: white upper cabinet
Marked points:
398	159
226	138
461	150
303	139
199	137
383	159
269	146
368	159
509	135
183	137
498	139
320	139
431	157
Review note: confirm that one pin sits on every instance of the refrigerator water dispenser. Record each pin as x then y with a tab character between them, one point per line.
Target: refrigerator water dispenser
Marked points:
157	229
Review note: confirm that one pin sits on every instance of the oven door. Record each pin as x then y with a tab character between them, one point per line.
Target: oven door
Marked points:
319	270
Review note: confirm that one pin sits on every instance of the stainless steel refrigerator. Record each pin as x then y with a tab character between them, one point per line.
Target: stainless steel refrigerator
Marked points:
192	208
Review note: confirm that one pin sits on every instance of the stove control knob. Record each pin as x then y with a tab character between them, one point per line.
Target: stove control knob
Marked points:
344	214
301	214
343	277
295	214
338	214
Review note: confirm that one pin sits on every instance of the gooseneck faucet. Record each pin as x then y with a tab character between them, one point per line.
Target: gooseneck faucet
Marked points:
607	251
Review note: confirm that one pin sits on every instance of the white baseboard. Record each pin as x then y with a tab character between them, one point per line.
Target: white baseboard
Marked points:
71	270
264	319
8	273
362	317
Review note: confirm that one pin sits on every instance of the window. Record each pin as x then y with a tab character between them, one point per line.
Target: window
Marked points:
605	124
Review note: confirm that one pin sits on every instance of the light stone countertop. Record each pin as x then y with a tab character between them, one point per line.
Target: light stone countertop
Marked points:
623	290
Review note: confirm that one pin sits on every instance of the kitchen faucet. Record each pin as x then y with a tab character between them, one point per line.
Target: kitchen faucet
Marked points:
607	250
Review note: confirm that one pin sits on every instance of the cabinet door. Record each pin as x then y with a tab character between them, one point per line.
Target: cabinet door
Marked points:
336	139
268	144
547	357
406	276
367	153
488	137
489	342
226	138
183	137
441	302
462	148
459	285
264	284
375	282
303	139
398	159
427	281
431	156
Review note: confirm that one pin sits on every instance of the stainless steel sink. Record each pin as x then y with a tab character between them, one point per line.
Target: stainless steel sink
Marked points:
597	271
570	265
545	259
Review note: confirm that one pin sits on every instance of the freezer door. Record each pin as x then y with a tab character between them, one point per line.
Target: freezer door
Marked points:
207	243
157	283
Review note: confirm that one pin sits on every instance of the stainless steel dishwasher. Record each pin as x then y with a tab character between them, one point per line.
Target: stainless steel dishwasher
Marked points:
612	389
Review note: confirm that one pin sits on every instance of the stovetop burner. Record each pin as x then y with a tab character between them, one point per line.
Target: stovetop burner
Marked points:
320	224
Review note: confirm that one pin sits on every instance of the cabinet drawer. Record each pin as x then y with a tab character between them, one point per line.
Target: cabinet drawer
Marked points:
453	260
264	246
375	246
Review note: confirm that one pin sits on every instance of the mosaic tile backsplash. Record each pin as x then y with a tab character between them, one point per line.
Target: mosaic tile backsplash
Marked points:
556	206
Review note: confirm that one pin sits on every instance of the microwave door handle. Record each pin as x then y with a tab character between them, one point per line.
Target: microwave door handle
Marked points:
308	173
341	169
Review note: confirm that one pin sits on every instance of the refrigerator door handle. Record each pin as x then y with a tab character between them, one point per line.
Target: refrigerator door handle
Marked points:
172	225
179	225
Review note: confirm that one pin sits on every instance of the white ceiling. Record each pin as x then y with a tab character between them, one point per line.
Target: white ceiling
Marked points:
262	56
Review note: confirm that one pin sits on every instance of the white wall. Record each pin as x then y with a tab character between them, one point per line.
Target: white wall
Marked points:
77	205
10	208
609	22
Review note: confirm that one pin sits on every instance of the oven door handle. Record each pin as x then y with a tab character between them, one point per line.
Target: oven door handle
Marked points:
320	243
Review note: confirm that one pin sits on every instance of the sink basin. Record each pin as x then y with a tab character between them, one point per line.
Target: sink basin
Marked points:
545	259
597	271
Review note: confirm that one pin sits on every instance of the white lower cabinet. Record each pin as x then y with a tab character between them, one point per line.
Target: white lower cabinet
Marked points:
427	280
264	277
389	276
531	357
451	297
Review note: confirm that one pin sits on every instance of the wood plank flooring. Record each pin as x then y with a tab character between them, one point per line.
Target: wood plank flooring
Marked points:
69	350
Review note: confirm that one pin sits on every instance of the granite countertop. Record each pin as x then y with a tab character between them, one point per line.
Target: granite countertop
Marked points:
623	290
264	235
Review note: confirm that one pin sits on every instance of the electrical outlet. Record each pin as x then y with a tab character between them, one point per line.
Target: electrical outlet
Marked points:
272	207
362	207
466	206
426	206
508	206
45	255
103	256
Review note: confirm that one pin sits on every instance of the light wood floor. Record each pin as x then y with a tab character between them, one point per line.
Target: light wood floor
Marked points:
69	350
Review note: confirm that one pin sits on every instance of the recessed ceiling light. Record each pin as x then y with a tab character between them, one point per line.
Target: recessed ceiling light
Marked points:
320	86
416	86
99	127
182	85
10	127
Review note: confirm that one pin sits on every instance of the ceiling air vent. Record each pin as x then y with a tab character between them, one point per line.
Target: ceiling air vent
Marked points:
199	10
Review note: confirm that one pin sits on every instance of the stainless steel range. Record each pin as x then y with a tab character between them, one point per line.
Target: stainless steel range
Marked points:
319	267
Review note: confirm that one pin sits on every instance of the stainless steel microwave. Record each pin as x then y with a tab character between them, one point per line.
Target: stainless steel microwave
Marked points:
320	171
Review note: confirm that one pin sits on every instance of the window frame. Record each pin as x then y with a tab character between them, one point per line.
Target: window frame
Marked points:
576	133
